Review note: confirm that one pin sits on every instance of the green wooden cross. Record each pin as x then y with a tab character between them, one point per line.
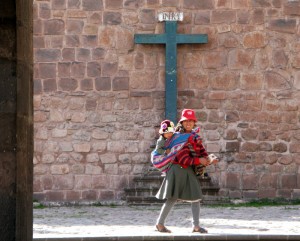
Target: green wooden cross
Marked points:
170	38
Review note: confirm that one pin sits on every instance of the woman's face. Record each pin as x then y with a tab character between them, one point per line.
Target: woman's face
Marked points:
188	125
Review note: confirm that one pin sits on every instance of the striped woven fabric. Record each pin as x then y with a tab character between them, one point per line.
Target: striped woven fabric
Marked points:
176	143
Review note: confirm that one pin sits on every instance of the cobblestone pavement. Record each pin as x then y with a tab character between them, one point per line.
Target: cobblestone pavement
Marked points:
102	221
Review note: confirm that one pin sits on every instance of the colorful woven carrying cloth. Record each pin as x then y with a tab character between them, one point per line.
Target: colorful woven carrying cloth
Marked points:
176	143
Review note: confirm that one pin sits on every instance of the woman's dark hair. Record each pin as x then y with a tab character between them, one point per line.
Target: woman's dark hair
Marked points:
179	127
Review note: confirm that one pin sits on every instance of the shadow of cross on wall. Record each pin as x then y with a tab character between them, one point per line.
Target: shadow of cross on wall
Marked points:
170	38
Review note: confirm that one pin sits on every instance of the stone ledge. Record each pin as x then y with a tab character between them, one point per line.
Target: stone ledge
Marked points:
167	237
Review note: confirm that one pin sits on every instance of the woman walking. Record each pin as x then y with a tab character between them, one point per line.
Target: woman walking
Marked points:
181	182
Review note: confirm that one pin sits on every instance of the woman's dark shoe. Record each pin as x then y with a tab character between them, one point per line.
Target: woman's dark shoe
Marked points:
199	230
162	229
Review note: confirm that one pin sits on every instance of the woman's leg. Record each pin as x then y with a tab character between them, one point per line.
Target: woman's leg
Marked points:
196	216
196	213
165	210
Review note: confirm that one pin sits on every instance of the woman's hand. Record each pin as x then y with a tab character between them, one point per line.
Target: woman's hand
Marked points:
204	161
214	161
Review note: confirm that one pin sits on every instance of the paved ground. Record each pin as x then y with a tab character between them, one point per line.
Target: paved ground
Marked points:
108	221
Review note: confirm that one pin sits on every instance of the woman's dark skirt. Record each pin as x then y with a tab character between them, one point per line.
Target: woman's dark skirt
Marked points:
180	183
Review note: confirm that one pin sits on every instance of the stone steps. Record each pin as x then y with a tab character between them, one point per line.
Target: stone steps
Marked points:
151	200
143	189
155	181
150	191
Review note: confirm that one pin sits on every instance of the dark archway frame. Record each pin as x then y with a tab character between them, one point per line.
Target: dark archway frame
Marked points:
16	120
24	120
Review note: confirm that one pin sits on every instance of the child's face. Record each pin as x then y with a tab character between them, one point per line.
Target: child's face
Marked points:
168	135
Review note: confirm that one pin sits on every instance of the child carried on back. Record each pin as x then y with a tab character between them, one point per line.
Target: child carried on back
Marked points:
171	144
166	132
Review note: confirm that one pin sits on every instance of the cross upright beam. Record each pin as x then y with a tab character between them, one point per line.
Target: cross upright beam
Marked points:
170	38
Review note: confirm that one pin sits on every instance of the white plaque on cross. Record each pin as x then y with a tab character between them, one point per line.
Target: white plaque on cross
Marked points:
170	16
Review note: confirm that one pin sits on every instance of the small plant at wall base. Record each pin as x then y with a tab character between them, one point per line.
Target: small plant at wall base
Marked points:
261	203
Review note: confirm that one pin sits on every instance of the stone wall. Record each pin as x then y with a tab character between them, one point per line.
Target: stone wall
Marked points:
98	97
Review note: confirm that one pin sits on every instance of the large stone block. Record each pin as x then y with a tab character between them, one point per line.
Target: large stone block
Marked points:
232	146
239	59
250	181
125	41
225	81
251	81
53	196
275	81
109	69
93	69
200	5
288	181
60	169
72	40
280	59
233	180
92	5
269	180
267	193
249	147
78	69
223	16
112	18
86	84
254	40
283	25
100	181
292	8
108	158
93	169
111	169
63	182
103	83
47	55
54	27
90	194
82	147
82	182
214	60
147	16
83	54
72	195
47	70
